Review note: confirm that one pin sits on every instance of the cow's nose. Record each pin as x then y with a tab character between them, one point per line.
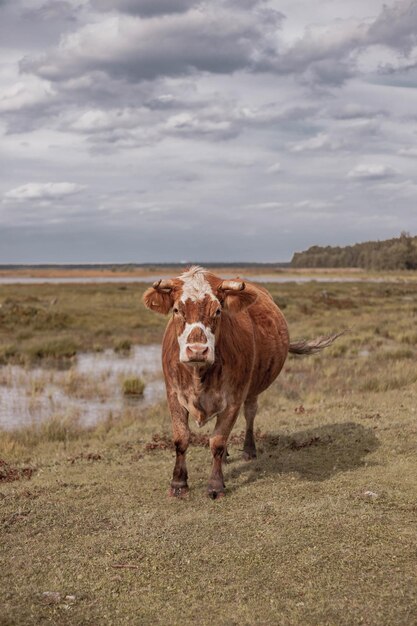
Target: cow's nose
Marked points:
197	351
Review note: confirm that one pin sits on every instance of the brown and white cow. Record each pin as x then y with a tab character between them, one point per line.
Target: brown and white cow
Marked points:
225	343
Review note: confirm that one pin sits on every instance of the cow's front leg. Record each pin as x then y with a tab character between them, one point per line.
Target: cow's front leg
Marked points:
181	438
218	447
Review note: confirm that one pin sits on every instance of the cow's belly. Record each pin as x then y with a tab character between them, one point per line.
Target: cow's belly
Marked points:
272	341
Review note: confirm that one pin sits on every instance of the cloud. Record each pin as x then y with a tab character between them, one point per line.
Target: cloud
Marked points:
322	141
25	95
43	191
206	124
266	206
399	189
99	120
396	26
408	152
170	111
189	116
146	8
369	171
272	112
52	10
354	111
313	205
275	168
219	37
215	40
322	54
328	55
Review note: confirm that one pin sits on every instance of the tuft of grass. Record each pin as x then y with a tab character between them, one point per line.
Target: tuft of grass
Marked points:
86	386
123	346
382	374
133	386
36	386
10	447
338	350
409	338
399	354
8	353
56	429
53	350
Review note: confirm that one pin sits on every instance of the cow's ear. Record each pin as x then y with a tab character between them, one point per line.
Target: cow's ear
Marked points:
236	295
159	297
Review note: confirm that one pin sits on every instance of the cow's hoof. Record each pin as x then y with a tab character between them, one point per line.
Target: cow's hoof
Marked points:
179	492
215	493
249	455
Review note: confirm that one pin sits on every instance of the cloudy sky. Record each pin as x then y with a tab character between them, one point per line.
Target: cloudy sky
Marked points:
166	130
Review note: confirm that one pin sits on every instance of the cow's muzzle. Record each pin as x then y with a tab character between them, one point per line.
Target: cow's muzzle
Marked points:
196	353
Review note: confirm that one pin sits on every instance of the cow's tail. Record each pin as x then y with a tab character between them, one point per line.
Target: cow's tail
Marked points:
313	346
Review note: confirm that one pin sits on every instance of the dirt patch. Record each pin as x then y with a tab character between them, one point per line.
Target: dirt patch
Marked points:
372	416
8	473
90	456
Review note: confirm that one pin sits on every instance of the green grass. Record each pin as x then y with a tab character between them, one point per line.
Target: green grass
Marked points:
319	530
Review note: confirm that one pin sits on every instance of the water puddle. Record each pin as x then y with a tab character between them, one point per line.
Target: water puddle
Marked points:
89	390
261	278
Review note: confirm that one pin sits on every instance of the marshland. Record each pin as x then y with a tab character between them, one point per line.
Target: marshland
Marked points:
320	529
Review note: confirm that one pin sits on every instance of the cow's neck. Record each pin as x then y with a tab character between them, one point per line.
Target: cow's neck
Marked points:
201	376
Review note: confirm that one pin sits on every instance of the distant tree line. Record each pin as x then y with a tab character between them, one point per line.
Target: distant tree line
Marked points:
399	253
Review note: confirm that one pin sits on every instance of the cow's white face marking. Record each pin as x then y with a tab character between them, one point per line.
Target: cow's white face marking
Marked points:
209	343
196	286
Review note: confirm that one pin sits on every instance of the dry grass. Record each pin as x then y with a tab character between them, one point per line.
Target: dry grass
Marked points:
87	386
133	386
319	530
52	323
55	429
149	271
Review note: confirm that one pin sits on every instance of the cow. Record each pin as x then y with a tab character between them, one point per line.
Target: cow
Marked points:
225	343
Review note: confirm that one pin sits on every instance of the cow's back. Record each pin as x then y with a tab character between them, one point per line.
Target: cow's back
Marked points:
271	341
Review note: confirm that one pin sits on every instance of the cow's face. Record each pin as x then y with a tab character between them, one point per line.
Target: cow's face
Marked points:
197	324
198	301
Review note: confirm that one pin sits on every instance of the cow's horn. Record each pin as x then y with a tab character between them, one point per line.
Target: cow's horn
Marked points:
232	285
163	285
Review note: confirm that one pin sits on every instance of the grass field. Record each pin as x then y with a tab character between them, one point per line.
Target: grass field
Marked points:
321	529
51	322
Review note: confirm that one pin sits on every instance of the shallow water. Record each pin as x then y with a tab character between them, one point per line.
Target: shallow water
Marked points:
89	390
262	278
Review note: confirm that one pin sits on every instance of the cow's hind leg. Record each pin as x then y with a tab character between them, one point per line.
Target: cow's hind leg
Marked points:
249	447
218	447
181	437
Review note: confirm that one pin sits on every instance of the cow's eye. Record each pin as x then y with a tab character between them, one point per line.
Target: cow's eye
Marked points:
175	309
218	312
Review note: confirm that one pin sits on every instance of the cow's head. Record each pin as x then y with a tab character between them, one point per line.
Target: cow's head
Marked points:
198	301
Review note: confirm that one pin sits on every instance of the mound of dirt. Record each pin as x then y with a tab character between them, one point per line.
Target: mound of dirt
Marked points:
8	473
